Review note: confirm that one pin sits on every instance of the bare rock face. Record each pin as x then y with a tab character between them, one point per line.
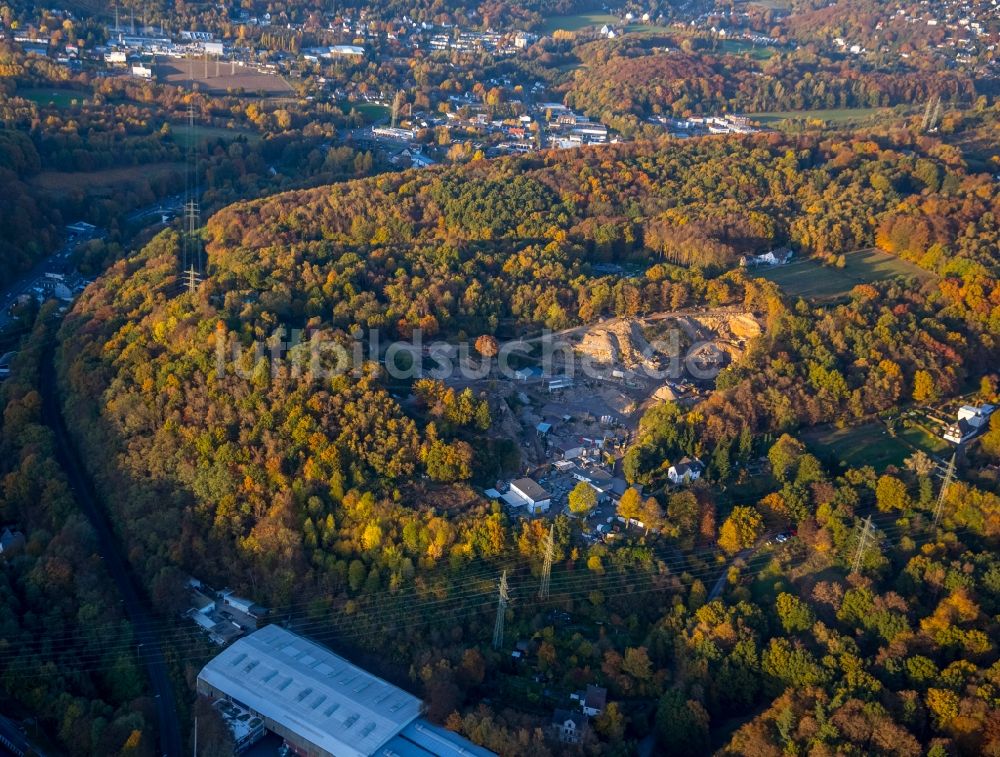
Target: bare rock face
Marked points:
621	343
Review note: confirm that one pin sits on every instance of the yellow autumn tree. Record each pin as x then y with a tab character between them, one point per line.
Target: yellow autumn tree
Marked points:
741	529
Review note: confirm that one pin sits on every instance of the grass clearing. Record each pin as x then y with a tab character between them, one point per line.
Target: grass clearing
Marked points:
871	444
60	98
641	28
775	5
856	446
740	47
827	115
577	21
807	277
183	134
370	112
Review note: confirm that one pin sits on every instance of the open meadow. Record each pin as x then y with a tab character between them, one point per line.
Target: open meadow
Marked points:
578	21
60	98
830	116
183	134
807	277
871	444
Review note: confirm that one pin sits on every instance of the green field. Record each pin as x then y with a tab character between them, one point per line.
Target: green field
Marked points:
371	112
828	115
739	47
577	22
641	28
183	134
60	98
775	5
806	277
871	444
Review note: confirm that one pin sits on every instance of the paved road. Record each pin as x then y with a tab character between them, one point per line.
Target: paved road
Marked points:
150	650
738	559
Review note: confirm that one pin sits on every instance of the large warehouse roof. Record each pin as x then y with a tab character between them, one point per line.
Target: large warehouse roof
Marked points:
421	738
310	690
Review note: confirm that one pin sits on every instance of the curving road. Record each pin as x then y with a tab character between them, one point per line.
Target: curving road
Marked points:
150	650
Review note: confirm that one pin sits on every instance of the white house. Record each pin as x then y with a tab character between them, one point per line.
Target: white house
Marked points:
972	421
685	470
773	257
568	726
527	492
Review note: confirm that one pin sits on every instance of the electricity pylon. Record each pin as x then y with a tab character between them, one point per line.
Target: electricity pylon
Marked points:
192	210
948	476
501	612
860	551
191	280
550	549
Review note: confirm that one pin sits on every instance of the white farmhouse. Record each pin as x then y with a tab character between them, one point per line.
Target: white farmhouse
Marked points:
685	470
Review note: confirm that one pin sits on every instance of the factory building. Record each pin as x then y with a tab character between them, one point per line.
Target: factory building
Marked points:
320	703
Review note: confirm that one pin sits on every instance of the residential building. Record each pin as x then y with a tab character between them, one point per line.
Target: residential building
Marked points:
568	726
594	701
685	470
971	422
773	257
